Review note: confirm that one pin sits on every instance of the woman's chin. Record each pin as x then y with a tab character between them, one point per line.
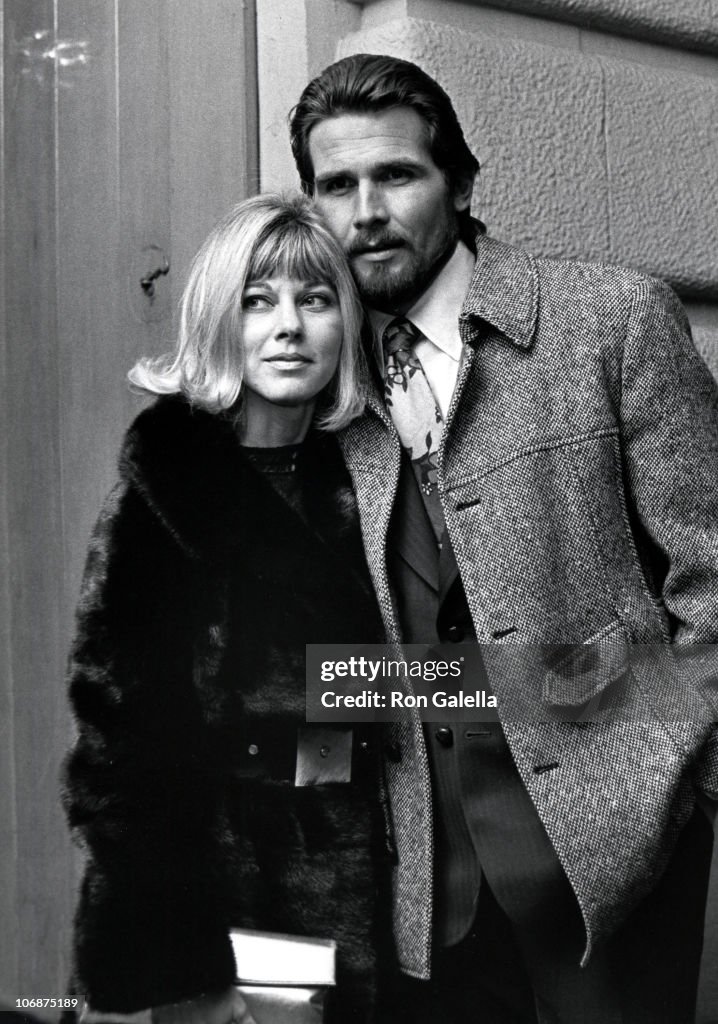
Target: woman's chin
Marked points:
288	394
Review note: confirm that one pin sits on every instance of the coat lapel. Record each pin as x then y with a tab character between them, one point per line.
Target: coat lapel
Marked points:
372	453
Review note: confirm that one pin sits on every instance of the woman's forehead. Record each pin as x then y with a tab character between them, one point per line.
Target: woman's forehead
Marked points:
300	262
276	279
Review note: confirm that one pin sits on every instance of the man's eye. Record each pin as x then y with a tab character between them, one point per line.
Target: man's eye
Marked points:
396	174
336	186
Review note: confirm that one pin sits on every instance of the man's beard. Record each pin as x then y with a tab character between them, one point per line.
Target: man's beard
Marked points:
394	288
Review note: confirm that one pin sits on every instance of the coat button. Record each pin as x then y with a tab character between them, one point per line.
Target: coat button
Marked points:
455	634
325	751
253	749
445	736
393	752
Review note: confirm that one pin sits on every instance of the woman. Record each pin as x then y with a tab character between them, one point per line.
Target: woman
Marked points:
230	542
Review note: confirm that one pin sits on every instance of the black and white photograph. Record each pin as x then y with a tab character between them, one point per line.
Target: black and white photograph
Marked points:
359	512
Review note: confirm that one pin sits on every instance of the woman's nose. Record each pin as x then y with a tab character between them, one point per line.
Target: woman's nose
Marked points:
289	321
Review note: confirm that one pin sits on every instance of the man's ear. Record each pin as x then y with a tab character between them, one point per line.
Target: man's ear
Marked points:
463	190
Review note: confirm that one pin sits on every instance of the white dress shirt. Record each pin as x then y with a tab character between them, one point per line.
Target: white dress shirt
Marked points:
436	315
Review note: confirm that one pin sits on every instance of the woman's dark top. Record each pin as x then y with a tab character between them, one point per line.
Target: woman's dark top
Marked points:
279	467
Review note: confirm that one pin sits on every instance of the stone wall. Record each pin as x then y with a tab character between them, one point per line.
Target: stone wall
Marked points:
692	24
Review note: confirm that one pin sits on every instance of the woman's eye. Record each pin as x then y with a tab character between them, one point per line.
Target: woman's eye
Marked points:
251	302
317	300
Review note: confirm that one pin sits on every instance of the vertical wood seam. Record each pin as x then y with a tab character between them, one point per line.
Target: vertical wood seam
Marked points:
7	632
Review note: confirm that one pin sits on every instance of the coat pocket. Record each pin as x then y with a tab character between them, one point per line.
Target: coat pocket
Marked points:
585	670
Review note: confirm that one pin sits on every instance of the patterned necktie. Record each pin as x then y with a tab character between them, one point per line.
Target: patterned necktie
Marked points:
414	410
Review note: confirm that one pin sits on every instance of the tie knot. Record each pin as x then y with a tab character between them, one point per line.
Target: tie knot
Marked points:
400	336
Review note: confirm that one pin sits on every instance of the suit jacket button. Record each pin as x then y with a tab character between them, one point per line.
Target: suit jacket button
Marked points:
455	634
445	736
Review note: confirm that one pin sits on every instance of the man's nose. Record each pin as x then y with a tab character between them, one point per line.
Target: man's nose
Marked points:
370	206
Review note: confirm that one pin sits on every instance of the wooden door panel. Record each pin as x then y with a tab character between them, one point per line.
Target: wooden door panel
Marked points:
33	495
213	121
88	269
143	59
126	125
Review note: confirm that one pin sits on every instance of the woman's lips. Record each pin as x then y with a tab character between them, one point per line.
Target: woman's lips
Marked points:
288	361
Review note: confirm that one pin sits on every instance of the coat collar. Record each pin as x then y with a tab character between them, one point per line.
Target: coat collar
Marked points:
504	291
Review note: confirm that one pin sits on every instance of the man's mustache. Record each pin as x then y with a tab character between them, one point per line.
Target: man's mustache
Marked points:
368	242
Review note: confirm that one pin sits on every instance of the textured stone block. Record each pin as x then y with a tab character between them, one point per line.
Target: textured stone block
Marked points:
691	23
584	157
533	116
662	155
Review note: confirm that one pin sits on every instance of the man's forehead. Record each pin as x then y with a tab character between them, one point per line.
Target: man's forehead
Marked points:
341	141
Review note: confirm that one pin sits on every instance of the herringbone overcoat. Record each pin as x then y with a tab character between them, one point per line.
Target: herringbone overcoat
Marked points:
578	473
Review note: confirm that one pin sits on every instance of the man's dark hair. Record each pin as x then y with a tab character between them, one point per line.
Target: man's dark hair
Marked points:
369	82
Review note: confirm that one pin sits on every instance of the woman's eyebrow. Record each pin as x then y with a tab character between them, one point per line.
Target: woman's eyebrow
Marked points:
302	282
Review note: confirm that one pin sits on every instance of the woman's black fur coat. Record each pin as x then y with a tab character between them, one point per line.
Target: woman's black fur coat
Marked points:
202	587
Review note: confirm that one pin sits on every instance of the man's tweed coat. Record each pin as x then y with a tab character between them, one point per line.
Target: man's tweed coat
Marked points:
578	475
188	684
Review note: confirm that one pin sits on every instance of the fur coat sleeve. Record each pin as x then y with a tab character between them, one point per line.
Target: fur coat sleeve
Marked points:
141	782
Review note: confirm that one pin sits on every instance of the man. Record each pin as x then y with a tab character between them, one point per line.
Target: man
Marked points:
542	471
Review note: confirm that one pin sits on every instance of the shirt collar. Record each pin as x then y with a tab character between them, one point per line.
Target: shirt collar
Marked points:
436	312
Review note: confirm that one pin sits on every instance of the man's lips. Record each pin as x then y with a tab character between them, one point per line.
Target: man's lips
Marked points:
381	249
378	255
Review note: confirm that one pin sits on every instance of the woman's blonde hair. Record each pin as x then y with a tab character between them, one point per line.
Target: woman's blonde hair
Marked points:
261	237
